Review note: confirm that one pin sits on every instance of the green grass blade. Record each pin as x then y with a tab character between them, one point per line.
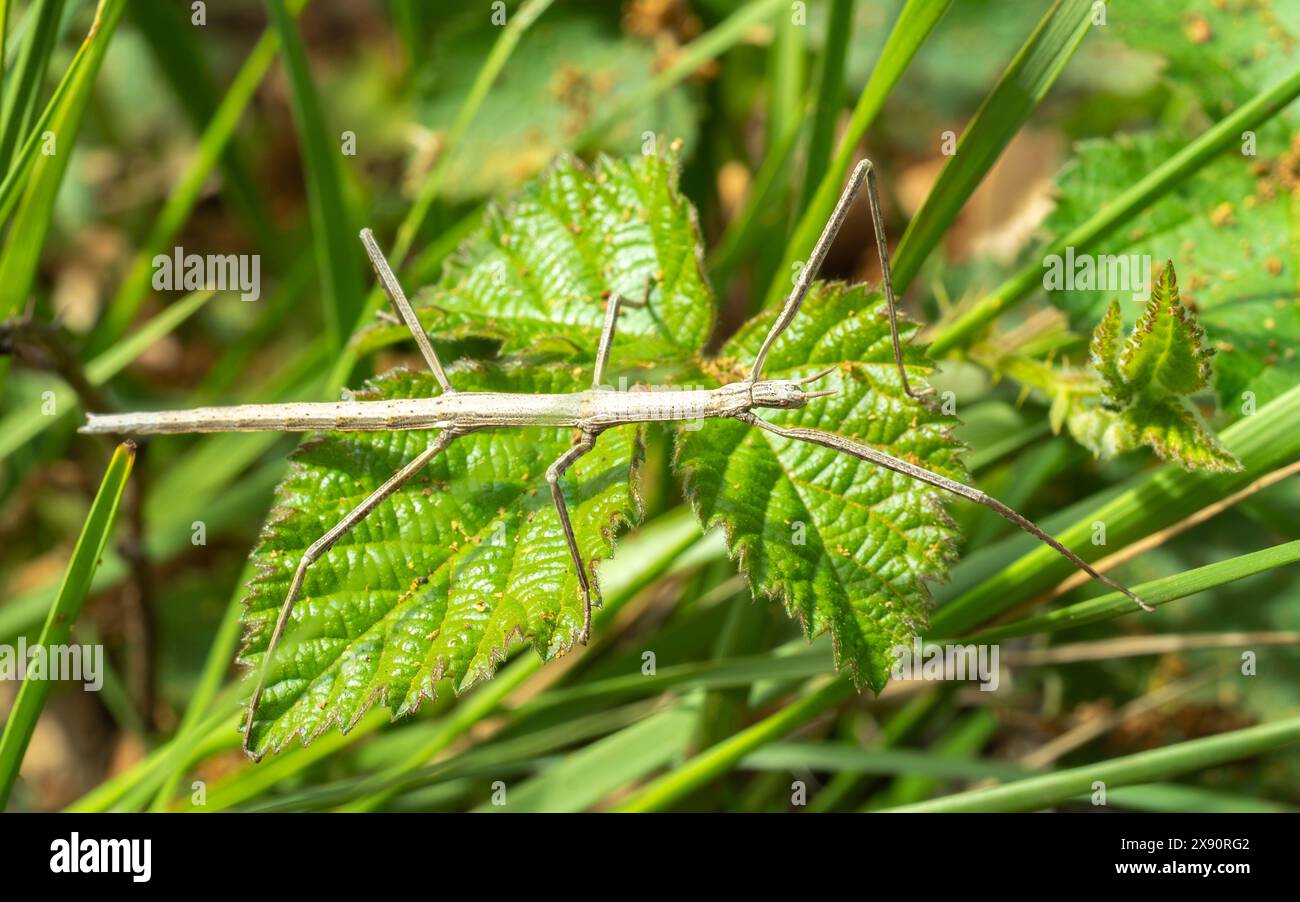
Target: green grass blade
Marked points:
722	673
416	217
708	46
505	44
962	741
333	234
526	754
220	729
901	726
1014	98
1193	799
20	165
742	231
1111	216
5	7
1035	793
1156	592
63	613
830	91
225	646
185	194
785	89
408	22
25	87
844	758
584	777
178	53
31	221
926	765
914	25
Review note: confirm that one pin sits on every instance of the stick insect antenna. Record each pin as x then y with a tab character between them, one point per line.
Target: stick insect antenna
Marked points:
880	458
862	172
393	289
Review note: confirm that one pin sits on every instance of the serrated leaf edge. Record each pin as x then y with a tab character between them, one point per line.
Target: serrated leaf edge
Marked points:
427	690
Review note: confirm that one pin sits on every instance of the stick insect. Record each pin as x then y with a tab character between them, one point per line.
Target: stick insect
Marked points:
589	413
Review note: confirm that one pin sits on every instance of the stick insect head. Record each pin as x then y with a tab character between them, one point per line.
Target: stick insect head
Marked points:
787	394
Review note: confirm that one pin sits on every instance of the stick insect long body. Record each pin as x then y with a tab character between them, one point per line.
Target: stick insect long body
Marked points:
589	413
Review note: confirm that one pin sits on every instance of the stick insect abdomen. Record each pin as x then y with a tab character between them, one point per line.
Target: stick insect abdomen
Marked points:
460	411
480	410
610	408
351	416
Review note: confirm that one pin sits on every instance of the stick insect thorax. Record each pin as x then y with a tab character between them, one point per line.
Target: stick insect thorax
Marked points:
589	413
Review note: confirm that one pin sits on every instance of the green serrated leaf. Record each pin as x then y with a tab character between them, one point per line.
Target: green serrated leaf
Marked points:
1174	430
1221	52
542	265
1164	355
1148	383
846	546
445	576
1232	229
1107	339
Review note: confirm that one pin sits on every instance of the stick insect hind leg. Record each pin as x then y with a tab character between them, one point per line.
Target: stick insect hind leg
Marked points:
880	458
318	549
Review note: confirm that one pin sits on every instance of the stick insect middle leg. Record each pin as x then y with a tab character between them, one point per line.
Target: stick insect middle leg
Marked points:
880	458
318	550
393	288
585	443
611	324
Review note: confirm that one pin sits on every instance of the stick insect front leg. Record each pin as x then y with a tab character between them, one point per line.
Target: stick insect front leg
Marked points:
585	443
880	458
862	172
318	550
